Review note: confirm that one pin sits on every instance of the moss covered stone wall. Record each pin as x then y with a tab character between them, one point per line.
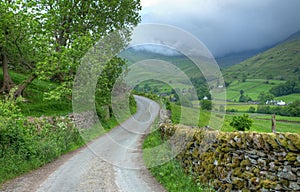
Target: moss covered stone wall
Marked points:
234	161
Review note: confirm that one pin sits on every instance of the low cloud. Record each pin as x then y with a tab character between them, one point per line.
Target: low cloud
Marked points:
228	26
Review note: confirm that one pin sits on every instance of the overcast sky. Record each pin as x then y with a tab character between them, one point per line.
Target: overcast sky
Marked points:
227	26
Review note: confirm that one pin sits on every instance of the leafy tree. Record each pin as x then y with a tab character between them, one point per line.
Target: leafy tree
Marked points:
263	97
244	98
206	104
287	88
251	109
264	109
241	123
201	87
58	34
242	92
293	109
13	29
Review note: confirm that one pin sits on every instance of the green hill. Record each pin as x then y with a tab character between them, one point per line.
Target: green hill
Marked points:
281	62
235	58
181	61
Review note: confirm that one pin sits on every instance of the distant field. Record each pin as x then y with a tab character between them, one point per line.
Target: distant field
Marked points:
251	87
289	98
262	123
164	87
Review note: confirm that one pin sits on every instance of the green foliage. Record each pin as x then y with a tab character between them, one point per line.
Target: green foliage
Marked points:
263	97
34	102
26	144
242	122
53	49
170	174
251	109
168	105
206	105
292	109
244	98
287	88
201	86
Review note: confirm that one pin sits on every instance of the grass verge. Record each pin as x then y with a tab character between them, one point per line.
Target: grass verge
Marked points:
170	174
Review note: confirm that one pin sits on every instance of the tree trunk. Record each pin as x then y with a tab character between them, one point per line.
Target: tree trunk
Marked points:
23	86
7	81
274	123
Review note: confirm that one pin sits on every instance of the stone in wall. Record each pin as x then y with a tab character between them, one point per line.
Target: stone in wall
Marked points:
236	161
84	119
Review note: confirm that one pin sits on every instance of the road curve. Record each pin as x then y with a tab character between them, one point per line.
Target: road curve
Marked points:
112	162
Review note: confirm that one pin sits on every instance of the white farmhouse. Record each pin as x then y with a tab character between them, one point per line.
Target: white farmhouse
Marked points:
280	103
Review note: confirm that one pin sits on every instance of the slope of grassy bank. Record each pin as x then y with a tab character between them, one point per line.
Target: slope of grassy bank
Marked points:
34	103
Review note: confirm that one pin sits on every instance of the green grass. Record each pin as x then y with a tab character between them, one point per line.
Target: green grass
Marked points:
251	87
34	104
289	98
170	174
279	62
241	107
260	125
190	116
278	117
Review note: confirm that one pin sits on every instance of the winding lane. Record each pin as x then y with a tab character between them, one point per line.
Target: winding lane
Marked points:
112	162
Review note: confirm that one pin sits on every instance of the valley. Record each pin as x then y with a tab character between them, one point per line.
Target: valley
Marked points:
249	85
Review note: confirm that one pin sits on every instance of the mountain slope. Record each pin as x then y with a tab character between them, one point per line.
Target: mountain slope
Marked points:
280	62
235	58
181	61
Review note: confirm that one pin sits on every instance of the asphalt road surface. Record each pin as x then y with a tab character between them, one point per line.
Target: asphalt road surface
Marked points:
112	162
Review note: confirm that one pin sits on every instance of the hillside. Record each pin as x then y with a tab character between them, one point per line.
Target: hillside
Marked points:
281	62
181	61
235	58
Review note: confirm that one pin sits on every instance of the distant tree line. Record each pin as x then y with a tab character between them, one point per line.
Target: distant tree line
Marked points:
292	109
290	87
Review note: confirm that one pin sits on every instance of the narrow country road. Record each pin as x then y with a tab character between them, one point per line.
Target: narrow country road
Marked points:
112	162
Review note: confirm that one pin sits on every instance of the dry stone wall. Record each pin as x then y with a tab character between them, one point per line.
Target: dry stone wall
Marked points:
238	161
84	119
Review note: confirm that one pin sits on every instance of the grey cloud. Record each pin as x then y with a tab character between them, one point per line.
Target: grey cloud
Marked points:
227	26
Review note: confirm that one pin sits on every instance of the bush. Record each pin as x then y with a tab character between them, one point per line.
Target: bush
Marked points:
251	109
241	123
27	144
168	105
232	110
206	104
244	98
